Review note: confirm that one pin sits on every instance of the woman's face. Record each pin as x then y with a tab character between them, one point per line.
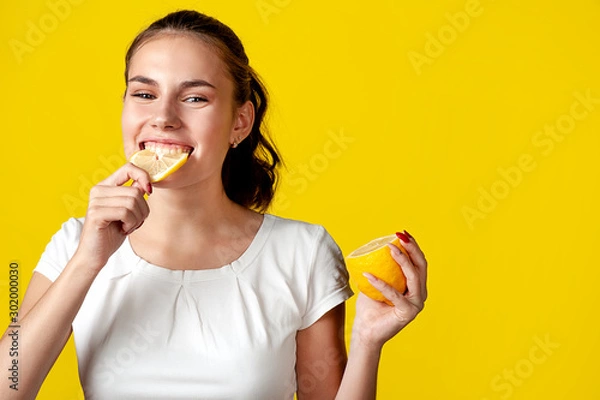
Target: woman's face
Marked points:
179	95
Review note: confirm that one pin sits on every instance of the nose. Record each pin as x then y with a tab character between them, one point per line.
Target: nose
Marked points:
165	116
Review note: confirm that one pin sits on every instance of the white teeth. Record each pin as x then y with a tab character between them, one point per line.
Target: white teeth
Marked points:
167	148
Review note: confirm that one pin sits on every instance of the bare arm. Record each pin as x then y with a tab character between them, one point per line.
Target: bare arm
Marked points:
321	356
44	326
48	309
360	377
376	322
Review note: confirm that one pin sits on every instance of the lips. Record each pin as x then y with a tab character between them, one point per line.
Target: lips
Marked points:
166	147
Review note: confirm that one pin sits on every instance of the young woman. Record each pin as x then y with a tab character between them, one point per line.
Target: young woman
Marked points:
193	292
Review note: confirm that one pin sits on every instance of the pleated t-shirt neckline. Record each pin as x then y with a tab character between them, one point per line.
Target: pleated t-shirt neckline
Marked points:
189	275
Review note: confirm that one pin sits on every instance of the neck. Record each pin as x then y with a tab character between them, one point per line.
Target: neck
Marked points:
196	227
192	210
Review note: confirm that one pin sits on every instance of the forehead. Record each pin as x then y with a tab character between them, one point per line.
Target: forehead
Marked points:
180	57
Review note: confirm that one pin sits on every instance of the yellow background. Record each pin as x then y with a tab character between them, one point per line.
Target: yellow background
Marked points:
422	143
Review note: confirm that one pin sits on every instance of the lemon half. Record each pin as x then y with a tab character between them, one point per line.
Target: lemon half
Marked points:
375	258
159	164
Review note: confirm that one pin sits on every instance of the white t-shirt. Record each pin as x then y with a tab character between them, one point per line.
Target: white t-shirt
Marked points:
148	332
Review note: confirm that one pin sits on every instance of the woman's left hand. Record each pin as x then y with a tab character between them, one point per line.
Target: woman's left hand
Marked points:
375	321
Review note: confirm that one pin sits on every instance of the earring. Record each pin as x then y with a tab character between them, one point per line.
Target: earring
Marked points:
236	141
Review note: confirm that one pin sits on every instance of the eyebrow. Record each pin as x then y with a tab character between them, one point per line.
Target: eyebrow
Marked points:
184	85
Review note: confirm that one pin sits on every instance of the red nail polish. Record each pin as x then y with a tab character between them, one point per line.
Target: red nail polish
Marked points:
408	234
402	237
149	191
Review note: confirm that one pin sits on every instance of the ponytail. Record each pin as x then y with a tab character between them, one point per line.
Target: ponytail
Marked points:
249	171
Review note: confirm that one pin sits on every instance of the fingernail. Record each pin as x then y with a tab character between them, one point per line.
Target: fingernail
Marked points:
149	189
402	237
408	234
394	249
369	277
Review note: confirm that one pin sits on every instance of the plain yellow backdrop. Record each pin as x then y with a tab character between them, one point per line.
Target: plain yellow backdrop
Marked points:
472	124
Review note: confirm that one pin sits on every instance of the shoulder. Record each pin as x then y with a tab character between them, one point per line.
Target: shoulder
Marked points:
301	230
320	275
69	232
308	241
72	227
60	249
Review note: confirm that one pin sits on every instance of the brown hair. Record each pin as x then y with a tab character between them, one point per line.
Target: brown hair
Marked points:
249	172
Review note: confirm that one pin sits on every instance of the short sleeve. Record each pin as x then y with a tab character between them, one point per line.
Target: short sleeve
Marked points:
61	248
328	279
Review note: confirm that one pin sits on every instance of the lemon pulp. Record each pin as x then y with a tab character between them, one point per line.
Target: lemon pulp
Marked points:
159	163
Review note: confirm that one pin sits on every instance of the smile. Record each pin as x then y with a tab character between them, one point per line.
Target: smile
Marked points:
166	148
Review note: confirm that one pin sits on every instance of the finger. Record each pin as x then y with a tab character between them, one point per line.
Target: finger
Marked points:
136	228
106	215
139	186
132	203
100	194
119	197
394	296
413	281
417	257
413	249
101	191
127	172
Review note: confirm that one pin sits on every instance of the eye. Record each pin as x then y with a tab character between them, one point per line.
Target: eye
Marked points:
195	99
144	96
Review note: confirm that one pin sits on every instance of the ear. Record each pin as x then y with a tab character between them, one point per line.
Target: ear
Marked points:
244	120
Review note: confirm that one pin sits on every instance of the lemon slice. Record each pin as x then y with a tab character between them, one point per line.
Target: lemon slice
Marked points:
159	164
375	258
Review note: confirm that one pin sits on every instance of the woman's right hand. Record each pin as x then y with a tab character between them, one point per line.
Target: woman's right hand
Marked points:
114	211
